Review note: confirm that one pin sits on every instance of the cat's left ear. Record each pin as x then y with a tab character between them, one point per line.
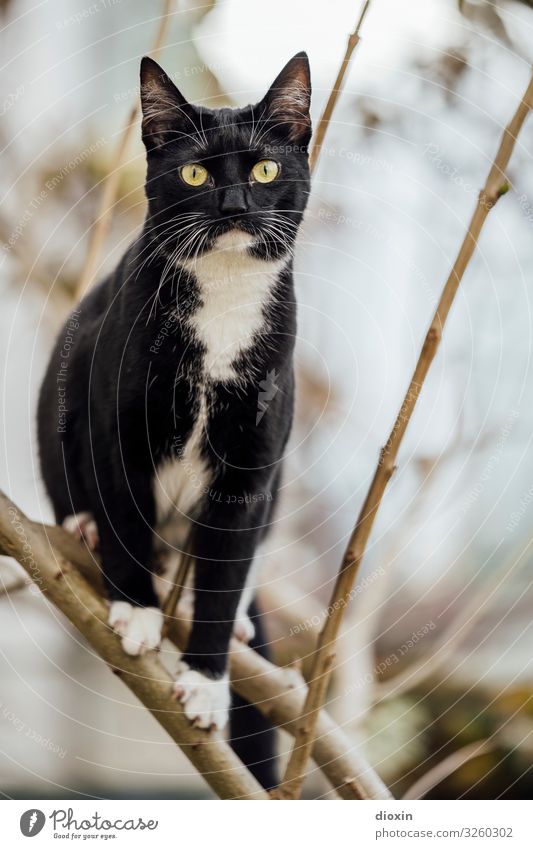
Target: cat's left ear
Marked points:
289	98
164	108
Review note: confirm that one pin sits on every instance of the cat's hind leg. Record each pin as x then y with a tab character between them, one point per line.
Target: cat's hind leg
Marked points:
206	700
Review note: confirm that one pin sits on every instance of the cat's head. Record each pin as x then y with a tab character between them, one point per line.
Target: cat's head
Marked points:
218	171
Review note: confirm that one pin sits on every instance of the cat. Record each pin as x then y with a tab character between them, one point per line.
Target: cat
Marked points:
167	414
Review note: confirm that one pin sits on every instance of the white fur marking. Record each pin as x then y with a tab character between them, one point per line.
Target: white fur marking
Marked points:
243	628
180	483
206	700
139	627
234	288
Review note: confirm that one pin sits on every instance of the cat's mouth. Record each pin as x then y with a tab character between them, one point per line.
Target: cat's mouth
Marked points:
233	240
265	236
233	234
229	225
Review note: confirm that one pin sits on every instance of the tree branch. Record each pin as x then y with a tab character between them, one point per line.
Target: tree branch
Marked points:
112	179
145	676
495	186
323	124
446	767
281	700
278	693
185	564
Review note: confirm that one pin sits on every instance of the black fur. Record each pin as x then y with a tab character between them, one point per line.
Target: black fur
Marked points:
123	395
251	735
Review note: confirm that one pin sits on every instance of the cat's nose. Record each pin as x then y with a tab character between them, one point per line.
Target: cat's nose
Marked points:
233	202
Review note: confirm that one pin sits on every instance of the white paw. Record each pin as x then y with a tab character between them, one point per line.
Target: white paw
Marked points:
206	700
243	629
83	526
139	627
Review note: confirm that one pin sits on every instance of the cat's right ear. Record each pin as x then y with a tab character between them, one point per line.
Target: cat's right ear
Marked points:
164	108
288	100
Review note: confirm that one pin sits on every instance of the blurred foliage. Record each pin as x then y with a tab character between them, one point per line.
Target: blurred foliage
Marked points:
485	12
423	729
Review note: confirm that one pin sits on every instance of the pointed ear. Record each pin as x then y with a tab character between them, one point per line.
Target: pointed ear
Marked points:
164	108
289	98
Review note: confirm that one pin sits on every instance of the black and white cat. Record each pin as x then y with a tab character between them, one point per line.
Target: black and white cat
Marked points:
176	387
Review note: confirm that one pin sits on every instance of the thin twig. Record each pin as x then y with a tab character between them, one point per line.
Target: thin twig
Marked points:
446	767
112	179
495	186
183	569
323	123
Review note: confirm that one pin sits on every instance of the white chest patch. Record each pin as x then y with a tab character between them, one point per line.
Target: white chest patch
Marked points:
234	288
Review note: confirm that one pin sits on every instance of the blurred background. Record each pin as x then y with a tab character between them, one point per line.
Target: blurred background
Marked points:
434	671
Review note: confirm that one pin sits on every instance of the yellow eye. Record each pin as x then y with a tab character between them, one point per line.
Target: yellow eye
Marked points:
194	174
265	171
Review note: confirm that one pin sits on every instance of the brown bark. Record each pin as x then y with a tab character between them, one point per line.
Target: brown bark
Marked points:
278	693
146	677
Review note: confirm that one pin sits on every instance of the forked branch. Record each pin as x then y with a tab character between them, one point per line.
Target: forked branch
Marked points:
146	676
69	574
496	185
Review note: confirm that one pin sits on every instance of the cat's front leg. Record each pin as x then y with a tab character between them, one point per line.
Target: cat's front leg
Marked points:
224	547
125	529
206	700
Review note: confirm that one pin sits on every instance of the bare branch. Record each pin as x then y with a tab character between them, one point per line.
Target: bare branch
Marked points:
495	186
446	767
185	563
146	676
323	124
111	181
278	693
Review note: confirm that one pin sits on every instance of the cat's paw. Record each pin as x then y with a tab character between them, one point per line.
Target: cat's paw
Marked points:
206	700
83	526
139	627
243	629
